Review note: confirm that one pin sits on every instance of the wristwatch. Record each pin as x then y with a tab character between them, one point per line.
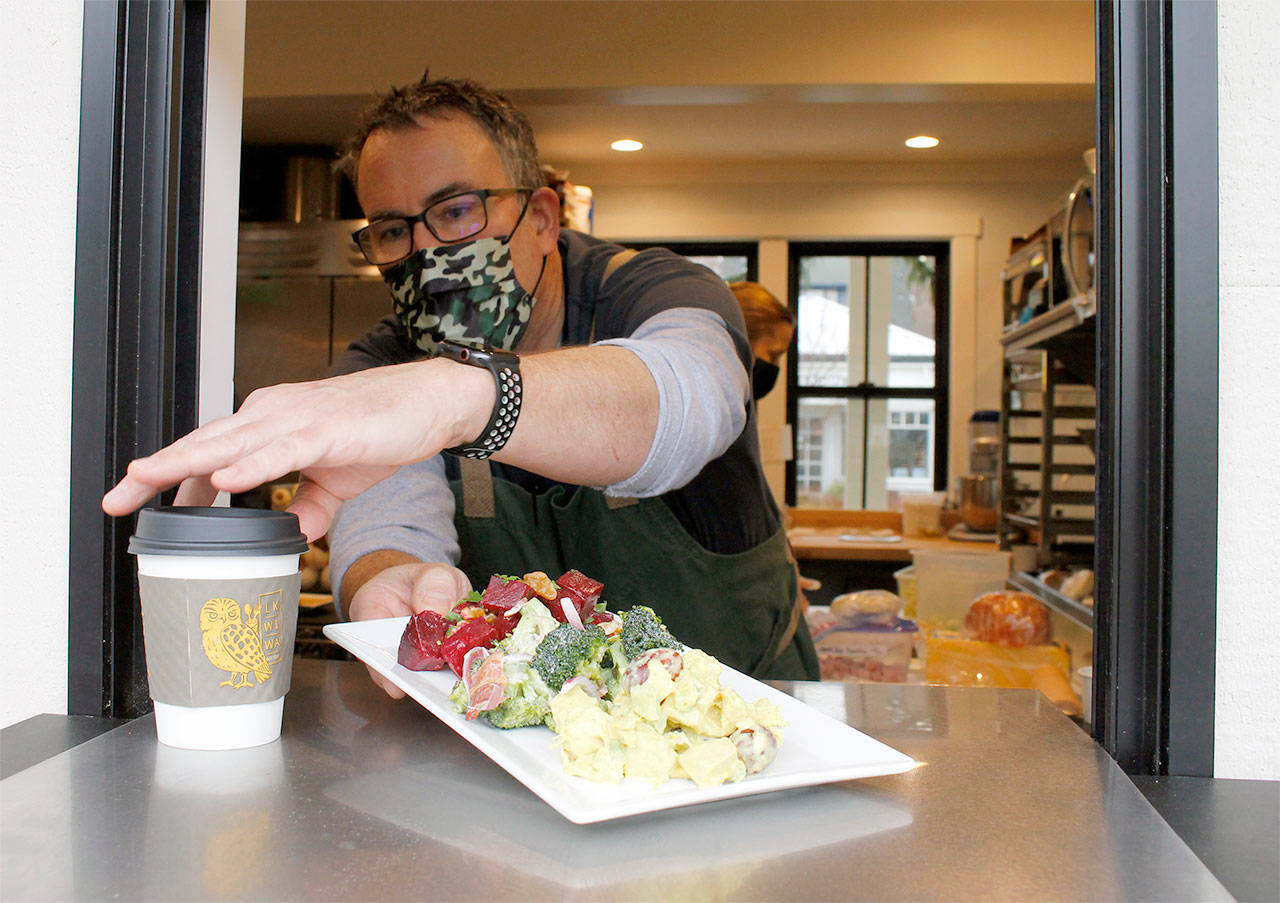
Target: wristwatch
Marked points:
505	368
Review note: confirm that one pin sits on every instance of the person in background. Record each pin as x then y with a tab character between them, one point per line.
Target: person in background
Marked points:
539	400
770	328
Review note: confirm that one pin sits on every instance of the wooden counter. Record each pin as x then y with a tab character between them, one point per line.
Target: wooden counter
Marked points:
844	536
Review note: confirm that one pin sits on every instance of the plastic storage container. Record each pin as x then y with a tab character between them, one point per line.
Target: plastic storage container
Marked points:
922	513
947	581
907	589
861	649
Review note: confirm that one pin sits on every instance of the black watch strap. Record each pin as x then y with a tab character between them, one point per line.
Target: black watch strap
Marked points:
505	368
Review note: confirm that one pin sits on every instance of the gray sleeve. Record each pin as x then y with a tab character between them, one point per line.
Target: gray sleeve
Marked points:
702	396
410	511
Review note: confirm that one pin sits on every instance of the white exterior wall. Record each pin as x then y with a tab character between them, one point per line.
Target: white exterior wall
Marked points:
1247	710
39	148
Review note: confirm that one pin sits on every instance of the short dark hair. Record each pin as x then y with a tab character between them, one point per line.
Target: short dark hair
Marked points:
507	127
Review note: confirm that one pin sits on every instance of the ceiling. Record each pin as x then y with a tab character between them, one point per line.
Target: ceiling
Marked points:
728	89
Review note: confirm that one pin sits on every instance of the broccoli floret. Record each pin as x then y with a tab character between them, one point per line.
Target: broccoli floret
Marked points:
643	630
458	697
568	652
520	711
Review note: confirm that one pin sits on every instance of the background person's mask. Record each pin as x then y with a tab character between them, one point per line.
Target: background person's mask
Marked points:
763	375
466	292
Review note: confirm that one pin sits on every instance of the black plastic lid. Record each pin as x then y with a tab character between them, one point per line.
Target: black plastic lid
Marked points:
985	417
216	531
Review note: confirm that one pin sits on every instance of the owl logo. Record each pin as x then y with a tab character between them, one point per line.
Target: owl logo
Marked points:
232	644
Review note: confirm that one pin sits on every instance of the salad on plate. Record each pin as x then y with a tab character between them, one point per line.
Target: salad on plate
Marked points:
625	698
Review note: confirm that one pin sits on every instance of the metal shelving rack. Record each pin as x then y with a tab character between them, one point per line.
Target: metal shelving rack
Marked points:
1052	351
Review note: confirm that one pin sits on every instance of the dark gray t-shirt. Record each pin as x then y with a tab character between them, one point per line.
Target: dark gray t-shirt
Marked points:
726	506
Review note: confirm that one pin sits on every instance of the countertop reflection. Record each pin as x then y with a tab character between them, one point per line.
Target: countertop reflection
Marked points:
365	797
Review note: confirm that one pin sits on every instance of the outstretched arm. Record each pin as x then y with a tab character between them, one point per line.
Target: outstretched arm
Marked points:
588	417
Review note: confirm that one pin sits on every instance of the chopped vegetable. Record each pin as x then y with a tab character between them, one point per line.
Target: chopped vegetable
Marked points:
471	633
567	652
420	643
584	591
643	630
504	593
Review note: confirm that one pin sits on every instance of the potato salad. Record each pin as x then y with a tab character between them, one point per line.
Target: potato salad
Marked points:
671	719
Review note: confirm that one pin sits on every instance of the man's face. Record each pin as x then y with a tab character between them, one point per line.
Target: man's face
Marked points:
405	170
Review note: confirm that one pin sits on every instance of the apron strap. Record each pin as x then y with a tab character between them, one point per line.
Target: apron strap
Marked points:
610	268
477	490
616	261
477	487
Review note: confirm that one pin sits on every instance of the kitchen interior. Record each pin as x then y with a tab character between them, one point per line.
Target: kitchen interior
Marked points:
932	440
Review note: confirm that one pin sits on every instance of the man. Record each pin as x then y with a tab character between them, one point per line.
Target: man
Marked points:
618	440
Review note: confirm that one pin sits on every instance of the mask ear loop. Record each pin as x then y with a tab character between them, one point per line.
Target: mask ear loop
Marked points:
519	219
533	291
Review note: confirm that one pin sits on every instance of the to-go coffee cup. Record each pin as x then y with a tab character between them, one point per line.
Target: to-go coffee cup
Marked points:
219	590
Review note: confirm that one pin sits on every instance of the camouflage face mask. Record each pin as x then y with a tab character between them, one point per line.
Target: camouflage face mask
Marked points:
466	292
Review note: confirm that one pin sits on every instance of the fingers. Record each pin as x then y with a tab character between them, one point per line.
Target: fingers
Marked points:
439	587
391	689
196	491
199	454
315	507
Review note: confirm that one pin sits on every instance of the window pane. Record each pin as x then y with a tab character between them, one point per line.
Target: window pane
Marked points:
902	320
866	319
835	457
829	446
730	268
909	463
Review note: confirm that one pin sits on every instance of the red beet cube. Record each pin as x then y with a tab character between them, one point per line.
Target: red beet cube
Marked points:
503	626
581	590
476	632
420	642
501	596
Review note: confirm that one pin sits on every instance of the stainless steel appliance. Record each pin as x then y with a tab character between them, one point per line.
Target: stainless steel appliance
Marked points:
980	502
303	292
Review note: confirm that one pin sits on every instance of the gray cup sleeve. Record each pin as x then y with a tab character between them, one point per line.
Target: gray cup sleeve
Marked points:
219	642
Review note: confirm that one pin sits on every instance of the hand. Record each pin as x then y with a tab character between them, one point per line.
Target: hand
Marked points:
407	589
343	434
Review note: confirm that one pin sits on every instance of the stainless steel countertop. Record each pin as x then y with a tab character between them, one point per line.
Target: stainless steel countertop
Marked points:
368	798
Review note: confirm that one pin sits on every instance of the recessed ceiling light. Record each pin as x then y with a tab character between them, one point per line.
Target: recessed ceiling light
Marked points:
922	141
626	144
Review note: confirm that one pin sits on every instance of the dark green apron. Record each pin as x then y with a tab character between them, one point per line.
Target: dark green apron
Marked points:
740	608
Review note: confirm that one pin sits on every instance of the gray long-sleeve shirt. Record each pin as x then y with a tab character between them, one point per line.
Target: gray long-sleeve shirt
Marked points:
702	396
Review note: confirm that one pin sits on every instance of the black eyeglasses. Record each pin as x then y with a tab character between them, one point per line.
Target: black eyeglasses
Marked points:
455	218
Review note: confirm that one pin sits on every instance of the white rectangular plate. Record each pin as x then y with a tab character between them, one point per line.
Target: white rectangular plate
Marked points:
815	749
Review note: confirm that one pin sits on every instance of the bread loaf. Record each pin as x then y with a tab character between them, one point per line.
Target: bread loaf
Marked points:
879	604
1009	619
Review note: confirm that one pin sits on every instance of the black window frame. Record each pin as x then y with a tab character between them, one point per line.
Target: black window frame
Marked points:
136	340
1155	552
940	393
136	343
